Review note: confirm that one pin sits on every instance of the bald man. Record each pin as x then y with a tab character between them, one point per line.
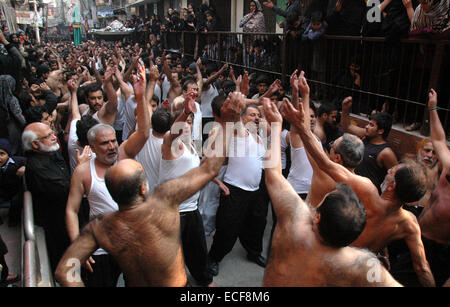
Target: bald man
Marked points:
48	179
144	234
310	246
386	219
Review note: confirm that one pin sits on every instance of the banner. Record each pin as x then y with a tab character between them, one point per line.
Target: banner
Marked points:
24	17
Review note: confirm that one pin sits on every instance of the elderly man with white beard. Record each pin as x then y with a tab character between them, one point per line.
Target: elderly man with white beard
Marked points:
48	179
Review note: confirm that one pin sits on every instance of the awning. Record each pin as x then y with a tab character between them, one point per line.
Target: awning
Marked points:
141	2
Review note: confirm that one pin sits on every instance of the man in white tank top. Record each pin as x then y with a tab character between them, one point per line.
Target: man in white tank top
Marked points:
88	179
150	156
239	213
179	156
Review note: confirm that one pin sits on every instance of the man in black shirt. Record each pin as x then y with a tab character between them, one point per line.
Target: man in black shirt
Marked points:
48	179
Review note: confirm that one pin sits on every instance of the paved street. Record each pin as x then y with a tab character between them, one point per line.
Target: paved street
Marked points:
234	271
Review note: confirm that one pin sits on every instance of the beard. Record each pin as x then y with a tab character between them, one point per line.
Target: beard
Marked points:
45	148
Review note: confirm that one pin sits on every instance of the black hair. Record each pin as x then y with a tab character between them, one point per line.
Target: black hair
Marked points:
326	108
342	217
384	121
34	114
155	98
161	120
85	123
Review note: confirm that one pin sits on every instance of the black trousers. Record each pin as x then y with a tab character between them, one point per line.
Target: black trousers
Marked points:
195	249
241	215
106	272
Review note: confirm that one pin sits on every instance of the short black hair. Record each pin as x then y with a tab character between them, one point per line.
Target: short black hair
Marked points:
85	123
34	114
161	120
326	108
384	121
342	217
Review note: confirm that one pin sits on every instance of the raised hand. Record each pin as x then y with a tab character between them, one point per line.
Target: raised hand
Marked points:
294	116
139	83
245	85
303	84
294	81
110	70
347	104
85	156
154	73
189	103
72	85
232	107
166	104
275	86
432	99
271	111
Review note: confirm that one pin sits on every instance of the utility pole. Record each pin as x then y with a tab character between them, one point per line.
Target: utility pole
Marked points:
36	23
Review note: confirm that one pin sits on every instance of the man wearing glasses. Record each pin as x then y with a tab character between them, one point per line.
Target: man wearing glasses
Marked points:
48	179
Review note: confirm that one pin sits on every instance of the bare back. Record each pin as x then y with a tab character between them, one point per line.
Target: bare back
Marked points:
435	218
298	258
145	241
384	226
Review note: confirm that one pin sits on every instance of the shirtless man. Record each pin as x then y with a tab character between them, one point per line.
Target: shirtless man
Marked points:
386	220
144	235
435	218
304	250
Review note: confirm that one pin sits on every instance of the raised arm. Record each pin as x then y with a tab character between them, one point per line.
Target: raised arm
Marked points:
176	191
74	109
345	119
107	113
214	77
133	145
284	198
150	90
126	90
296	118
175	86
437	132
176	128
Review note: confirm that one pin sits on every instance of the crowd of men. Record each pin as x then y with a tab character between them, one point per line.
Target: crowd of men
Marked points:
134	158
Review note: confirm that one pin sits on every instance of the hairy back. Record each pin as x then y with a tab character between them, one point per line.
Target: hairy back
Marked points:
145	242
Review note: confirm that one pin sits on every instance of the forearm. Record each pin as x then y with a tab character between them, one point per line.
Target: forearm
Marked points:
72	224
425	276
436	129
312	146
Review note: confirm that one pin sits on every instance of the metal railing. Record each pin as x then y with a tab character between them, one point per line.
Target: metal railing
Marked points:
393	77
32	265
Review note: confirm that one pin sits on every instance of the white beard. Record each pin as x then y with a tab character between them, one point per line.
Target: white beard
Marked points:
53	148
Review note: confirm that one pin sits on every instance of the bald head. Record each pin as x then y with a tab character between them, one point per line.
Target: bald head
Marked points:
124	181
